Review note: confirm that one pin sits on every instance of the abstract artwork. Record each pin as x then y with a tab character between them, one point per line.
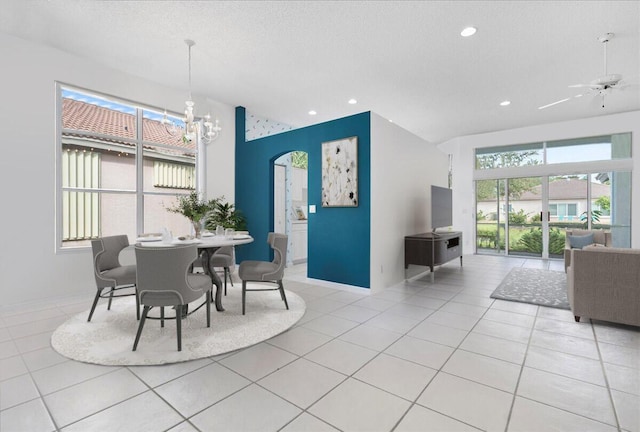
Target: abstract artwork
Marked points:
340	173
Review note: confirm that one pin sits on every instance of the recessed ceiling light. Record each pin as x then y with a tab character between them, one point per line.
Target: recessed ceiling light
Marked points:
468	31
353	101
505	103
312	112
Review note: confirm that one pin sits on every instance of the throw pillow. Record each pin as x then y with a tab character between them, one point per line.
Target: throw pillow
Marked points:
578	242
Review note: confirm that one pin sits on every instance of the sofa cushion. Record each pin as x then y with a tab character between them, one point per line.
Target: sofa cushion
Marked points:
599	236
578	242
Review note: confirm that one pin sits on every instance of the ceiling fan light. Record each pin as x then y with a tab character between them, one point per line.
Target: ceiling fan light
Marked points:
468	31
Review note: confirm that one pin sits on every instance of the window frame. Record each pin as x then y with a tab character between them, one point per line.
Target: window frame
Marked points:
138	144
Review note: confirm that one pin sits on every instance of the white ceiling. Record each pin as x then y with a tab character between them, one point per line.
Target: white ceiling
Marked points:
403	60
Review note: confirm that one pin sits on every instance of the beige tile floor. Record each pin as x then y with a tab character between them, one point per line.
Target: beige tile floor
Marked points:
420	356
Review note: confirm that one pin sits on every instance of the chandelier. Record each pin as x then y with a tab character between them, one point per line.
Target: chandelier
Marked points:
206	130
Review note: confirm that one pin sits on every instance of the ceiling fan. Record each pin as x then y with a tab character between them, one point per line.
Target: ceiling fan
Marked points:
600	86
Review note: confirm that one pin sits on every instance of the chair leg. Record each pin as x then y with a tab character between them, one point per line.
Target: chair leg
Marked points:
137	304
230	278
284	297
162	316
95	302
179	325
208	308
110	298
244	294
226	273
144	317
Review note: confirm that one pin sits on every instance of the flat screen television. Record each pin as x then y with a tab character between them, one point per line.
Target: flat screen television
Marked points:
441	207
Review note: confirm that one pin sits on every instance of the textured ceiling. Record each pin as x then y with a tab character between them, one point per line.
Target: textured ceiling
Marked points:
402	60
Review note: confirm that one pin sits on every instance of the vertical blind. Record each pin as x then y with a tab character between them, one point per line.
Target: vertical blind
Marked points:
171	175
81	210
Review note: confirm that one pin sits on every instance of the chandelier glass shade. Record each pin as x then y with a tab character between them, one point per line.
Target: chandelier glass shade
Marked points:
203	129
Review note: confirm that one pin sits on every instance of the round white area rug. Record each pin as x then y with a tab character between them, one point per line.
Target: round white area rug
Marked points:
108	338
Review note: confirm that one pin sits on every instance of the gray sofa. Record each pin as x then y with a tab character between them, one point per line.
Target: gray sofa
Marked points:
603	283
599	237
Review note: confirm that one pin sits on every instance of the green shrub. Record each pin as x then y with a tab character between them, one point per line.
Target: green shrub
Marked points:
556	242
518	218
531	241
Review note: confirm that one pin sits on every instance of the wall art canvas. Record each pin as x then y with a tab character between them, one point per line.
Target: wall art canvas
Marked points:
340	173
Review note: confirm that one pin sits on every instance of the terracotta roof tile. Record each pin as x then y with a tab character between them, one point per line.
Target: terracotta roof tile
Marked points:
84	116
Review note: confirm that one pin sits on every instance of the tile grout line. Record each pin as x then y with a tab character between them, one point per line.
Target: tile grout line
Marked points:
40	397
524	360
352	375
439	370
606	379
405	334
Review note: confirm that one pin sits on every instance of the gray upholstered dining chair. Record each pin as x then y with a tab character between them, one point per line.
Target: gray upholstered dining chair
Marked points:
164	279
108	271
265	271
223	258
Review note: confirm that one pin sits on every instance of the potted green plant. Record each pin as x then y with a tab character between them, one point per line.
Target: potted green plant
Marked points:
225	215
195	209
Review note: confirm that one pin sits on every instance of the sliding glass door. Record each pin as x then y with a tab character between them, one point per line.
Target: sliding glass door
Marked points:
490	216
508	217
568	209
529	216
527	230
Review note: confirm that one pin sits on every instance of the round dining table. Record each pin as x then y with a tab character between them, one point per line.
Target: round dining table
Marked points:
207	246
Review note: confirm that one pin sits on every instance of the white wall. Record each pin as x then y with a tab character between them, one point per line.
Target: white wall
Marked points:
403	168
29	267
462	149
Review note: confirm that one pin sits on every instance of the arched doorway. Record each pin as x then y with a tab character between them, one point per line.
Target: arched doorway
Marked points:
290	192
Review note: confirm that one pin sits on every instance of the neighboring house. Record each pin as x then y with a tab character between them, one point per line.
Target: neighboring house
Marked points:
567	201
101	157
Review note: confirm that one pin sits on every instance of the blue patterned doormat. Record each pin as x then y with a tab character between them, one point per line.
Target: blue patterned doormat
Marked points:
534	286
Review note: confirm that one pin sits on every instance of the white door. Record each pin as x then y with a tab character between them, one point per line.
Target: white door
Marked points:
279	200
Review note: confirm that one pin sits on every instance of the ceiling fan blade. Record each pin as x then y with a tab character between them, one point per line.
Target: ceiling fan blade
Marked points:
624	84
553	103
591	86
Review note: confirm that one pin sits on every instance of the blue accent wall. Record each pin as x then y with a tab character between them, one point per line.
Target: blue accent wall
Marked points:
338	237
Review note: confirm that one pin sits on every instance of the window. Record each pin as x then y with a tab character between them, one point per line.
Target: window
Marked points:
563	210
509	156
607	147
299	159
599	148
118	169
